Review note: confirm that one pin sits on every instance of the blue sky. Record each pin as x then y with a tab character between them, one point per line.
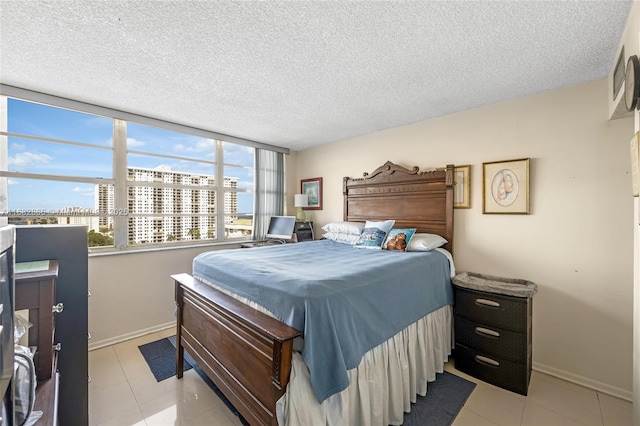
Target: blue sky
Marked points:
31	156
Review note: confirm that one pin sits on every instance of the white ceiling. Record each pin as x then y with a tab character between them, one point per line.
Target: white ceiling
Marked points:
298	74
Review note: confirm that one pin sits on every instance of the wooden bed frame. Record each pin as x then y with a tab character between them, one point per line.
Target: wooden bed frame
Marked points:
247	353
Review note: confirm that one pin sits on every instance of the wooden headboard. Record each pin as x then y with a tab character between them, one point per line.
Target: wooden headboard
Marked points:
421	200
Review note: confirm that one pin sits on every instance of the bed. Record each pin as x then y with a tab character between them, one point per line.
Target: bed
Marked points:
252	352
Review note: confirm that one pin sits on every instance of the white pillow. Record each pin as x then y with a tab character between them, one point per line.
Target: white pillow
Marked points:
425	242
374	234
354	228
341	237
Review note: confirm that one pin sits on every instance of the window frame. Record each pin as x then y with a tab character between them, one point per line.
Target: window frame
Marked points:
119	178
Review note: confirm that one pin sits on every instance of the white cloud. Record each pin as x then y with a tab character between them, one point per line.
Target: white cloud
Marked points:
96	121
28	159
134	143
245	184
203	145
18	146
81	189
12	181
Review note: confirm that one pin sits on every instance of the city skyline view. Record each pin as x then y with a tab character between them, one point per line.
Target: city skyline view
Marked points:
90	155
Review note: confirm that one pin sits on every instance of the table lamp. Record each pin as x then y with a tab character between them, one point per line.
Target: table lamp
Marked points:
300	201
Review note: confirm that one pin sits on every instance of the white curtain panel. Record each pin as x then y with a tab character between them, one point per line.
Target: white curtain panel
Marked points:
269	190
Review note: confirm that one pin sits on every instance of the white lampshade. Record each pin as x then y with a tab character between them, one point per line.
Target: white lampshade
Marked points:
300	200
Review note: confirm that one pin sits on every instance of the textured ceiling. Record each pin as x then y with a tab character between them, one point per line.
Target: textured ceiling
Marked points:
300	74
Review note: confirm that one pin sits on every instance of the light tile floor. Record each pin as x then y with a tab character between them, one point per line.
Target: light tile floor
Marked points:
123	392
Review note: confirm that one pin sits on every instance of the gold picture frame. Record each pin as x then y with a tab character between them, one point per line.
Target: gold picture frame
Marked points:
505	187
462	187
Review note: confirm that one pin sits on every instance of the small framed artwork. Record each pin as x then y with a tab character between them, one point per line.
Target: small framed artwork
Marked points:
462	187
505	187
313	188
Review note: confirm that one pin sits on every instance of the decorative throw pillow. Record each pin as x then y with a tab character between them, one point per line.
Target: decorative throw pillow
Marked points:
425	242
398	239
354	228
374	233
341	237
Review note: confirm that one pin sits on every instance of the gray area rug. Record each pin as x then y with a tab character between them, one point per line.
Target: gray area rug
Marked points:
444	400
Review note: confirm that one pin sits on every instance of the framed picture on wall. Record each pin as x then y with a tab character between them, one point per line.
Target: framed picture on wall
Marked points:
462	187
505	187
313	188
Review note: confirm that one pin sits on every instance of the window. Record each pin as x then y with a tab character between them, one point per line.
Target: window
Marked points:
131	184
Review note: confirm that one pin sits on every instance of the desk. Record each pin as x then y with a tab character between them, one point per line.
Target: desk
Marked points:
259	244
36	291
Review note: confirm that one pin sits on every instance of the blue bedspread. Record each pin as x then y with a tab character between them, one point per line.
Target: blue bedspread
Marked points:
345	300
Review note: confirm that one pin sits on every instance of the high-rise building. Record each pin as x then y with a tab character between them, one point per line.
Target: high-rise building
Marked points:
183	208
104	203
76	216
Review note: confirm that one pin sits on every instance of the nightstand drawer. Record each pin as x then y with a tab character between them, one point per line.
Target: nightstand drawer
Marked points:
304	231
508	375
303	226
506	312
492	340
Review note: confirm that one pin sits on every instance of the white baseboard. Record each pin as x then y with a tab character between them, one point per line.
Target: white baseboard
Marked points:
583	381
129	336
555	372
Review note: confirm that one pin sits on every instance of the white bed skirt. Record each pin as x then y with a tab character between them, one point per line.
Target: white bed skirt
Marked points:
384	384
382	387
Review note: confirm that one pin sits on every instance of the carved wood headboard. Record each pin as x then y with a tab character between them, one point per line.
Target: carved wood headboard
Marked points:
421	200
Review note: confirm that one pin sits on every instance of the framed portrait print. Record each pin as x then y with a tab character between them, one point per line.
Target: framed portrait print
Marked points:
461	187
505	187
313	188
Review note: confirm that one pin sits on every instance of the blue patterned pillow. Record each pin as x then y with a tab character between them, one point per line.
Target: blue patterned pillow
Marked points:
398	239
374	234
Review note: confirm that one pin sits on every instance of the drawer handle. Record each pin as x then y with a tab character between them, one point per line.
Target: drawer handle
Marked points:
487	332
487	361
486	302
57	308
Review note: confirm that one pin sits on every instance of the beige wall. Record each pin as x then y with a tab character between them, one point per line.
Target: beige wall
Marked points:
133	294
577	243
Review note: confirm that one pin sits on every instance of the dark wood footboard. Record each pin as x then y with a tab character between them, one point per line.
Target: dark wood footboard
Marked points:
246	353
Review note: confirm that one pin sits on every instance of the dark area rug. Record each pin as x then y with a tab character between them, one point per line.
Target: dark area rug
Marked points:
161	358
444	400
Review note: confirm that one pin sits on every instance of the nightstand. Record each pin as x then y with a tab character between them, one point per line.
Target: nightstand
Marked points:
493	325
303	230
